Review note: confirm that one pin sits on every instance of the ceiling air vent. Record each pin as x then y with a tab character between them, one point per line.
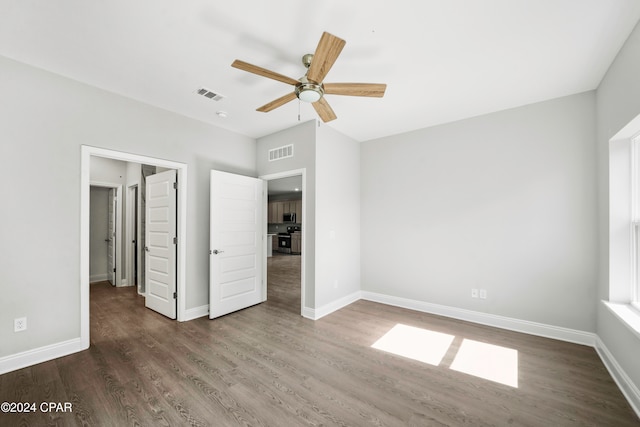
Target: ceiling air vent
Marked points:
209	94
281	153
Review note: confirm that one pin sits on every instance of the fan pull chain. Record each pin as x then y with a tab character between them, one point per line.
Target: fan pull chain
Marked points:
298	110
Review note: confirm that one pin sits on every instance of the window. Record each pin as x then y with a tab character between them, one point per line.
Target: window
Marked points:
624	225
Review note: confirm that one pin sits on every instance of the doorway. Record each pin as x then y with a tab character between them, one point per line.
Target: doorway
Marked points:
181	207
105	233
286	268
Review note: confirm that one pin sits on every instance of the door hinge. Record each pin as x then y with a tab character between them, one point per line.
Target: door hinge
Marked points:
114	270
175	295
175	185
175	240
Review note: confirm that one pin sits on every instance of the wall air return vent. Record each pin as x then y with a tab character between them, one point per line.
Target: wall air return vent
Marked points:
209	94
281	153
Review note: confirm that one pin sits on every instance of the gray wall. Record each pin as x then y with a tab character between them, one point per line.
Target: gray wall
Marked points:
337	216
618	98
45	119
504	202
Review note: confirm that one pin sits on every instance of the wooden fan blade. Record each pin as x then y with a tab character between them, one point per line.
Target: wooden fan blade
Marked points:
324	110
355	89
329	47
245	66
277	102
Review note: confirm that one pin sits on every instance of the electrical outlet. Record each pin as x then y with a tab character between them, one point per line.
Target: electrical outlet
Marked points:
483	294
474	293
20	324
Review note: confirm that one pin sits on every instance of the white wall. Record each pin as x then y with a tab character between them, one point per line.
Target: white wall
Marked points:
99	230
133	173
504	202
109	171
337	216
45	119
618	100
303	138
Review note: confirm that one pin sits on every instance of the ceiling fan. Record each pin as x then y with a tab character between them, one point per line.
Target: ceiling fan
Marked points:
310	87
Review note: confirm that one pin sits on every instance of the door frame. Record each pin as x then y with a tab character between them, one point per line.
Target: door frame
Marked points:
86	152
131	233
119	281
305	251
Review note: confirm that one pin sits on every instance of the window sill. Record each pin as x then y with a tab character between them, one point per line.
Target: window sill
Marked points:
627	314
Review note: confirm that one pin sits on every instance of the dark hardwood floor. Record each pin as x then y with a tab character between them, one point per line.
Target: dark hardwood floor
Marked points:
268	366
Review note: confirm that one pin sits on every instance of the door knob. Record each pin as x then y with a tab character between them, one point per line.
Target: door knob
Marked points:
146	248
216	252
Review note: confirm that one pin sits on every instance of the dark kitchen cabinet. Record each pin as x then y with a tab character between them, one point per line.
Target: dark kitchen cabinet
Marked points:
276	210
296	243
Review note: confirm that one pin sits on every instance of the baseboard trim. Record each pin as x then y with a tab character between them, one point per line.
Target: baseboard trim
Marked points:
320	312
195	313
626	386
38	355
98	278
309	313
517	325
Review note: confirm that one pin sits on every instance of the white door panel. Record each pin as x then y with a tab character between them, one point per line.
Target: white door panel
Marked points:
160	247
236	243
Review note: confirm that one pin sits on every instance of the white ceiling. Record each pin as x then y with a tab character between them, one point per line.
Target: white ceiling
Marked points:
285	185
442	60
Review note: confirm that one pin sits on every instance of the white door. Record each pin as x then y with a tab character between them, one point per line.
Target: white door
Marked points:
236	239
111	238
160	243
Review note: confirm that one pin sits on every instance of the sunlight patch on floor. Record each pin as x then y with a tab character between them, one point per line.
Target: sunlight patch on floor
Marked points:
415	343
488	361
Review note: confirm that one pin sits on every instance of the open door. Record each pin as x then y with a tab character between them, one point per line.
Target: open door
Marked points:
160	243
236	238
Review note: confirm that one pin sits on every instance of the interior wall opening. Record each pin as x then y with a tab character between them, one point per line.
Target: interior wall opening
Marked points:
118	232
284	241
131	215
286	255
105	233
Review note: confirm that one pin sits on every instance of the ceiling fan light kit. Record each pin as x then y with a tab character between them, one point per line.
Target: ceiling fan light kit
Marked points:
308	91
310	87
